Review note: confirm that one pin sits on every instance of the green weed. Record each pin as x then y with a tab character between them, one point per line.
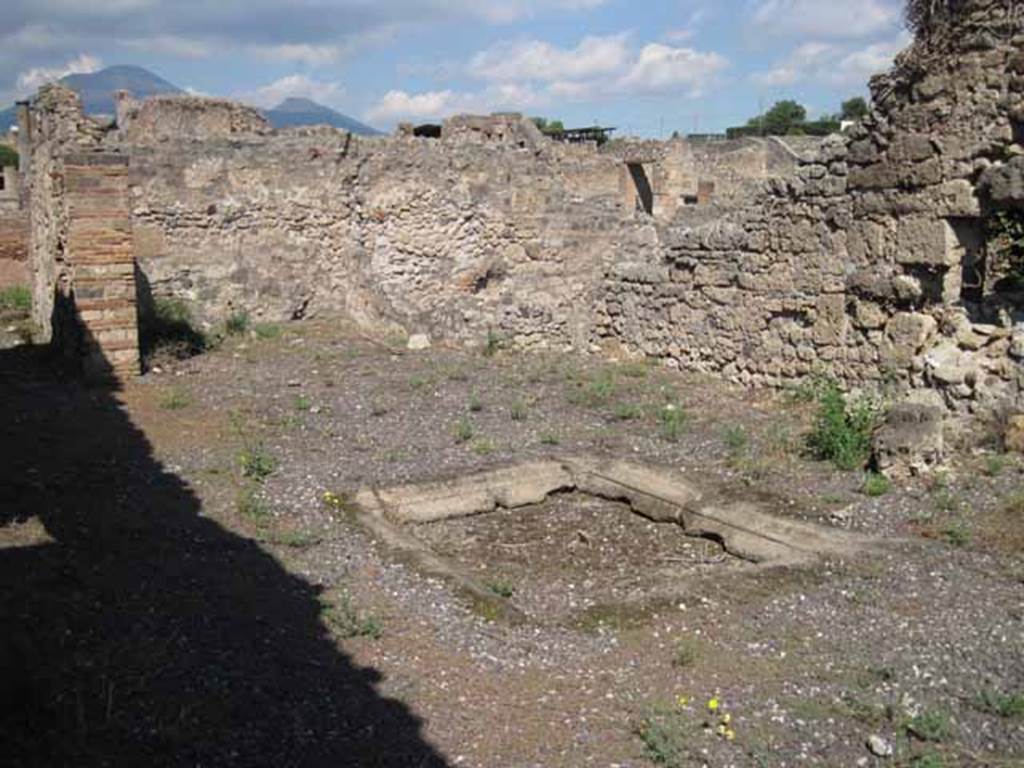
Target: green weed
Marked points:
175	399
484	447
345	621
628	411
464	430
957	533
994	465
686	652
665	738
518	411
267	331
549	438
15	298
842	431
930	726
1002	705
237	324
875	484
492	344
501	588
250	506
737	441
671	422
256	463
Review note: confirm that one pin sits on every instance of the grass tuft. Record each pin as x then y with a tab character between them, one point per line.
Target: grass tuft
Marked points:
15	298
256	463
346	622
237	324
875	484
671	422
267	331
175	399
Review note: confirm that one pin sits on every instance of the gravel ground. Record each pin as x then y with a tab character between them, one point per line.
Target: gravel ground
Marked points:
917	645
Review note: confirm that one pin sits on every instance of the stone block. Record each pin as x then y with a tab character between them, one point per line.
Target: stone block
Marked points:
946	364
1013	436
906	334
911	148
830	322
925	240
1004	184
866	241
910	442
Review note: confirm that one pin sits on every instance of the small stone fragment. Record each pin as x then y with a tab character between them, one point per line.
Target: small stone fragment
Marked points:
879	747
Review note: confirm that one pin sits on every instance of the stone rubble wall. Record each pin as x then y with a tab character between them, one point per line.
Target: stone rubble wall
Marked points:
752	290
177	116
861	266
397	233
764	261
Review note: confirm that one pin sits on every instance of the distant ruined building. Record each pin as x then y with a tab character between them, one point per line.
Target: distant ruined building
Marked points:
873	256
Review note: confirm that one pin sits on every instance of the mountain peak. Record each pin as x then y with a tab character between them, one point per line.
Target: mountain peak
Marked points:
298	104
296	111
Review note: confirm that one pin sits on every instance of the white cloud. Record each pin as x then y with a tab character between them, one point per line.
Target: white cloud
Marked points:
662	68
833	63
31	79
527	75
824	19
431	105
802	63
859	65
539	60
294	86
396	105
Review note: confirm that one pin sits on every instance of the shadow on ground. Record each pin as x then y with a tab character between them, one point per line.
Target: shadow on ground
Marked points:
142	633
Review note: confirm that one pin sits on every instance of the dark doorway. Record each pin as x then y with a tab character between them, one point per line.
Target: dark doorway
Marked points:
427	131
644	193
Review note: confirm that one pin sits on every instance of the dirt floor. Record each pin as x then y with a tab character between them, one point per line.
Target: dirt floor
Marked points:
184	584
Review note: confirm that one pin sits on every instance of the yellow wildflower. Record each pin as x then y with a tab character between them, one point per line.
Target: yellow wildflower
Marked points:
713	704
726	718
730	734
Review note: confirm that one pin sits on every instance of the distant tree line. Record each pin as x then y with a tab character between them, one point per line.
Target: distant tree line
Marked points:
789	118
548	126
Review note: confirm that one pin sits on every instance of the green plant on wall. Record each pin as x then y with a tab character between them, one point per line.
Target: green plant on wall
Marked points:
1005	235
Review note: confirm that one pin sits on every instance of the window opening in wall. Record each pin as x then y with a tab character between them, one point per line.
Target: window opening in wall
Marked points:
3	180
1018	131
644	192
427	131
690	200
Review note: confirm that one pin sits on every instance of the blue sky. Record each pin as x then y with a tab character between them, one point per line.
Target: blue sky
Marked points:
646	66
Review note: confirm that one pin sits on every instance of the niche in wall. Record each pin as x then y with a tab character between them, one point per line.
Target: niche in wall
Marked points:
968	246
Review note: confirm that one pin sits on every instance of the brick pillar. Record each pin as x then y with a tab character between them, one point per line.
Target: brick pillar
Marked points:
99	252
